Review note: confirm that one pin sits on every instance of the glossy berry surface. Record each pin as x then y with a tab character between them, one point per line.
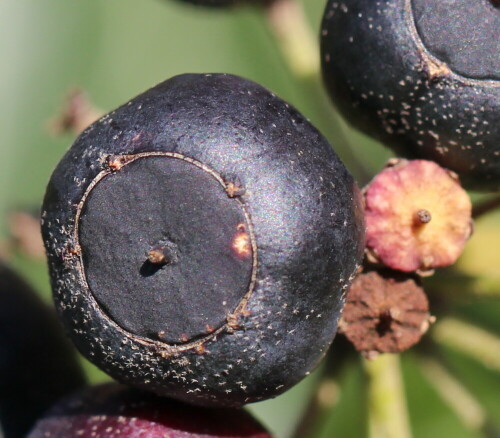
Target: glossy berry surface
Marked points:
37	365
423	76
112	411
200	239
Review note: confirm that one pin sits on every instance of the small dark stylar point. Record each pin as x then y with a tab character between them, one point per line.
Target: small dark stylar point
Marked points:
385	320
423	217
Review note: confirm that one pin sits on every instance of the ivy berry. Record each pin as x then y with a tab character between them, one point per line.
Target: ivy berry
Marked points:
423	76
200	240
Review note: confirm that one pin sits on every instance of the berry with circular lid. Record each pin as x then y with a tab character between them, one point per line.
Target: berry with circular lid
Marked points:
200	239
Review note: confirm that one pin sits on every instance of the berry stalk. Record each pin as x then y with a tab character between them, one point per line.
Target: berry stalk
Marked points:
388	416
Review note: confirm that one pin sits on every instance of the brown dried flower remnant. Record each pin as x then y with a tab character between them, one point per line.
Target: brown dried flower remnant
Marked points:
24	227
418	217
385	312
76	114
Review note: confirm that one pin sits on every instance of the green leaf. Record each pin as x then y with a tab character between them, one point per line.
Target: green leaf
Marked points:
481	381
430	416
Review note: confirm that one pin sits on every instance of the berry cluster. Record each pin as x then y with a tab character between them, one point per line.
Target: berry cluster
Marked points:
202	238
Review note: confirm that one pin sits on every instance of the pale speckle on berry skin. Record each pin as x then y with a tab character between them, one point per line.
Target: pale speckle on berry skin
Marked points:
417	95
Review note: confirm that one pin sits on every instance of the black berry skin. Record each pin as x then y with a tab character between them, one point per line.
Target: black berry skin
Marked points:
116	411
423	76
37	364
200	240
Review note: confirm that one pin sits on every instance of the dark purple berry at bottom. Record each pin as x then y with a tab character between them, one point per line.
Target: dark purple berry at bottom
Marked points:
115	411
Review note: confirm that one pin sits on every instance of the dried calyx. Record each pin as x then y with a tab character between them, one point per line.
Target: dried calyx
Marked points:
76	114
385	312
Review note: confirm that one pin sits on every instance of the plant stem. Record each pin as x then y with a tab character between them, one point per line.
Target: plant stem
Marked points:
76	114
388	417
327	394
286	18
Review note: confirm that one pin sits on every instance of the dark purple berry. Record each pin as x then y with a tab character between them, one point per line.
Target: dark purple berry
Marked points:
115	411
200	241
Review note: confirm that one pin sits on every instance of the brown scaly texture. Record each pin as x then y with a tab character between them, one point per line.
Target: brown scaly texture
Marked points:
385	312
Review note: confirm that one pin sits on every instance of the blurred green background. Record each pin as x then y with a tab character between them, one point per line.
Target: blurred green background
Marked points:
115	49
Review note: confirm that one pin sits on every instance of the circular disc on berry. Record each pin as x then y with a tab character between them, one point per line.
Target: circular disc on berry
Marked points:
188	251
200	240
